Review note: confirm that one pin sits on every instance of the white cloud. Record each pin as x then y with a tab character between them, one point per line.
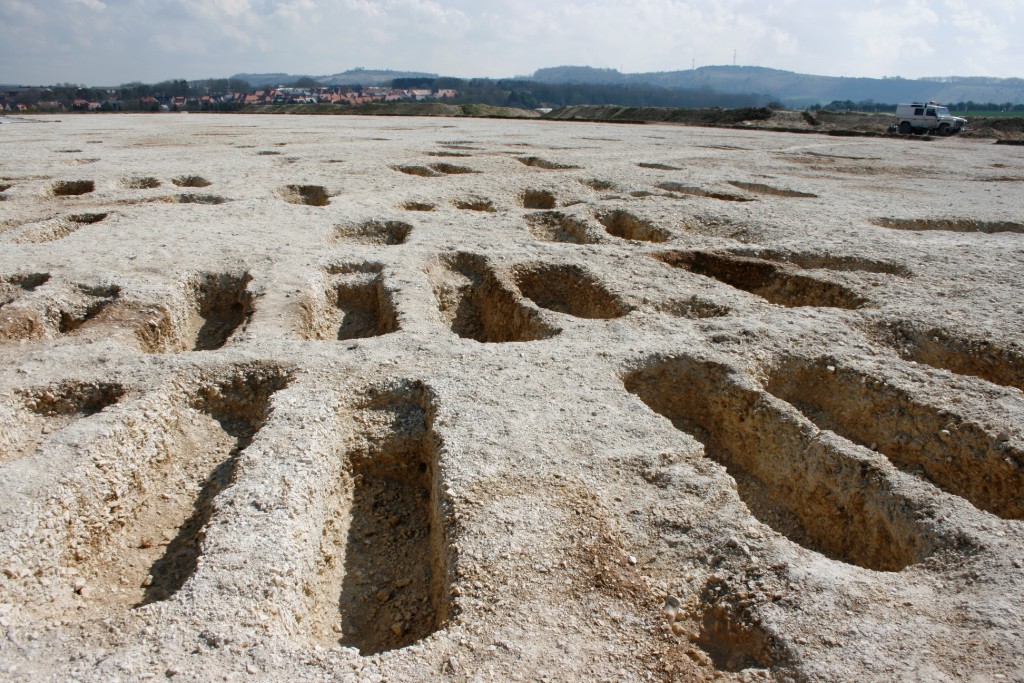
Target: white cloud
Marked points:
196	38
231	8
369	8
92	4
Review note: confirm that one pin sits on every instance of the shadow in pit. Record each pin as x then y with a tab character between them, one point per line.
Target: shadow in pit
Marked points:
396	568
806	486
224	304
569	289
963	354
777	283
238	408
957	455
477	304
732	644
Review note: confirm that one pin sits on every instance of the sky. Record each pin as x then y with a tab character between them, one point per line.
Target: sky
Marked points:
109	42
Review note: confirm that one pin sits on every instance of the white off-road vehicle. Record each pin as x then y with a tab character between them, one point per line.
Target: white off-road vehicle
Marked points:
918	118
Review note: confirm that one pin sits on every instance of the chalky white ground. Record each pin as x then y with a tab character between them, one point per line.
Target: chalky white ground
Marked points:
298	398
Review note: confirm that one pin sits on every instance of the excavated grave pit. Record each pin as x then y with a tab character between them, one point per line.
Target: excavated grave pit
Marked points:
223	304
693	308
94	301
355	304
658	166
818	495
140	183
380	233
189	198
452	169
949	225
50	230
87	218
624	225
733	643
417	206
680	188
153	543
555	226
537	199
71	188
190	181
386	558
774	282
963	355
761	188
307	195
421	171
41	411
955	454
476	304
65	312
214	307
73	399
598	184
568	289
537	162
13	286
816	260
475	204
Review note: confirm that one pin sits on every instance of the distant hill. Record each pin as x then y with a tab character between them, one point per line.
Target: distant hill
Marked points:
801	90
370	77
268	79
350	77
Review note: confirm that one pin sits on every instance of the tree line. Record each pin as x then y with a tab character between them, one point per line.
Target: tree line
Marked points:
872	106
527	94
66	93
517	93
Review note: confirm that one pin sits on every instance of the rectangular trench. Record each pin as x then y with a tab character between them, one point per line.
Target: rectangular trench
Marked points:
151	543
817	495
355	304
385	566
476	304
954	454
778	283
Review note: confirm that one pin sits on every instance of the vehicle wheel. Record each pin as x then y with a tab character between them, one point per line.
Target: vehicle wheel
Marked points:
945	130
920	131
905	128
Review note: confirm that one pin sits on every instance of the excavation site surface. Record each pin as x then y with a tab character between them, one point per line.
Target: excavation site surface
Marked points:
286	399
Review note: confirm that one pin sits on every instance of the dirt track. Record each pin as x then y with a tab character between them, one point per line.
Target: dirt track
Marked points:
351	398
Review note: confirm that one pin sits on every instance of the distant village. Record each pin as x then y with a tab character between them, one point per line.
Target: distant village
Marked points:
25	99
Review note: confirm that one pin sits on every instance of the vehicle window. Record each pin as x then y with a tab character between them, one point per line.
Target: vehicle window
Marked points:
931	112
919	112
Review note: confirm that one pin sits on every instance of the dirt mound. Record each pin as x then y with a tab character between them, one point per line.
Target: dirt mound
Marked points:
396	109
695	117
823	121
993	127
